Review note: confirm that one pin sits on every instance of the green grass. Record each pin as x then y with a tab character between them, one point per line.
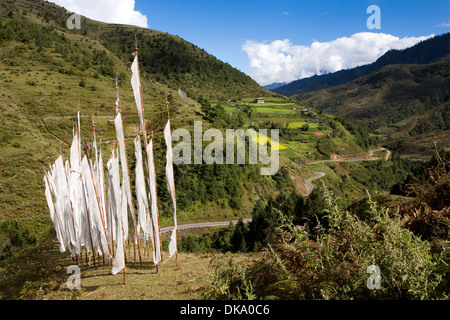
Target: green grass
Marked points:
401	123
299	124
40	274
230	109
268	99
298	145
292	153
277	105
273	110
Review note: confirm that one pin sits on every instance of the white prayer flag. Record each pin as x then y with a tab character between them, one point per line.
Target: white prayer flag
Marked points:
171	186
101	186
53	216
144	221
75	189
135	83
119	258
115	199
124	212
63	205
97	225
154	204
123	160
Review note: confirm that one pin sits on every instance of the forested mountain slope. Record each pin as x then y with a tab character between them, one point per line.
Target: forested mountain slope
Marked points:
435	49
408	104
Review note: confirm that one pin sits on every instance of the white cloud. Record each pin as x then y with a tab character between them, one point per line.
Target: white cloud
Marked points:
110	11
282	61
443	25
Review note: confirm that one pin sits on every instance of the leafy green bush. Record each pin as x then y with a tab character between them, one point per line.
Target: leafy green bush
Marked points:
333	263
216	240
17	236
326	146
428	214
229	282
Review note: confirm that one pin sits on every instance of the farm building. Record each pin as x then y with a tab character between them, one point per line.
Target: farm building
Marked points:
305	112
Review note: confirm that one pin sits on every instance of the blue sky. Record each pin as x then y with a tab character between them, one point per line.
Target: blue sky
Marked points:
224	27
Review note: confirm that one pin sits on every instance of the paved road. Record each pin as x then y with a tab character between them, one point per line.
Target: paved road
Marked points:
203	224
371	157
322	174
317	175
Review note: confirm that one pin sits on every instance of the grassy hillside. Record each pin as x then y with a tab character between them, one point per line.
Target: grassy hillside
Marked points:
49	72
165	58
407	104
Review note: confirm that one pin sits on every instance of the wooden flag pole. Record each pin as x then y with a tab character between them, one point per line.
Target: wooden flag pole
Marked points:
98	200
174	194
70	205
56	213
146	144
133	215
113	144
88	212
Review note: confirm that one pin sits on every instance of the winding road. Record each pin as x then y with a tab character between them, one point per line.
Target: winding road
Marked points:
319	175
203	225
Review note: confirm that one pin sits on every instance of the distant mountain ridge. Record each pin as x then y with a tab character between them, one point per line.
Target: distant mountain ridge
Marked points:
428	51
275	85
407	104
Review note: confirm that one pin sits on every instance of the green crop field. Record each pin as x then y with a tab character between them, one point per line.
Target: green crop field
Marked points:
299	124
274	110
297	145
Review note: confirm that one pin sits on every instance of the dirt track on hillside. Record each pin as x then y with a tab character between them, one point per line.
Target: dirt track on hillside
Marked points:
345	159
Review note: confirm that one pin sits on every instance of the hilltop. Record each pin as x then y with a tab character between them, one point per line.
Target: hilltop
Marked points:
166	59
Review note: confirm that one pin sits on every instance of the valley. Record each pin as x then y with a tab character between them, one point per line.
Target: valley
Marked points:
357	167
